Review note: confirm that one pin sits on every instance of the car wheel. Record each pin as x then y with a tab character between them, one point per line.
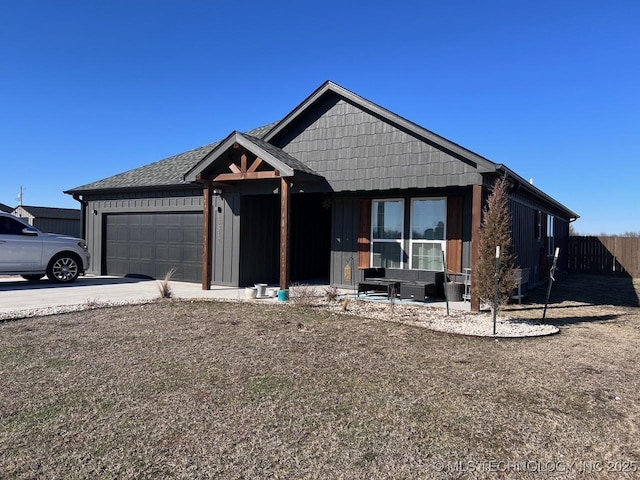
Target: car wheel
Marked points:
63	268
32	278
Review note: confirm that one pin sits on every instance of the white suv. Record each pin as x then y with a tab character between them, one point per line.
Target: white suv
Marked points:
26	251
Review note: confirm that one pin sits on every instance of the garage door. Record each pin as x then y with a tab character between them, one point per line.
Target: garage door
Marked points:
151	244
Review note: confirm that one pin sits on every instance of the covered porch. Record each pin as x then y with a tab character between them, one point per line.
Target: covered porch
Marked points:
267	217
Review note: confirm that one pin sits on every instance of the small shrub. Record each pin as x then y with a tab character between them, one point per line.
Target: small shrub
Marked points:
164	287
92	303
303	295
331	294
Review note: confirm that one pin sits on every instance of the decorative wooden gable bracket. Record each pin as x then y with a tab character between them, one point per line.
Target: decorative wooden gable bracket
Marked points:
246	171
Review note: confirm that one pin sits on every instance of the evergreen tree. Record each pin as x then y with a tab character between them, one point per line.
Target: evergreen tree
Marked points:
496	231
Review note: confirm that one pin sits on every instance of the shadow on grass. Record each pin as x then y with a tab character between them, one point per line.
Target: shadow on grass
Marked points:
562	315
567	321
591	289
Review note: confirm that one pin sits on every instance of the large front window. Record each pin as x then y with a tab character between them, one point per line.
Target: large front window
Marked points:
428	242
387	227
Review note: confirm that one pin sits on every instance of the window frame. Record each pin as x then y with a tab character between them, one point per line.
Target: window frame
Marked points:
375	240
550	234
412	241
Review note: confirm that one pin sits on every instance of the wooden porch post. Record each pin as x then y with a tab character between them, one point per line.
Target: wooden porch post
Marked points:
476	222
285	247
206	251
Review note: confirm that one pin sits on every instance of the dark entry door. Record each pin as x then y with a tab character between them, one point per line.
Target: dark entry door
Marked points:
152	244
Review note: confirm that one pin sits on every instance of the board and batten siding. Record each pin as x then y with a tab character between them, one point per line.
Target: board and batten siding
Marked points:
525	245
345	215
98	206
225	240
530	240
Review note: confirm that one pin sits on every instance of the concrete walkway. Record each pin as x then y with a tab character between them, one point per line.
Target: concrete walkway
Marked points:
18	296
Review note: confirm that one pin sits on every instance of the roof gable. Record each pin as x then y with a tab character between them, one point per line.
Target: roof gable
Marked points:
221	160
329	88
356	150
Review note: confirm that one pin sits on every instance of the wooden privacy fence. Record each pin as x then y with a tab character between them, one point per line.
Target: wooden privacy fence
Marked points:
605	255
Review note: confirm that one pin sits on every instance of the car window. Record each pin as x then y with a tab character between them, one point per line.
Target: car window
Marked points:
9	226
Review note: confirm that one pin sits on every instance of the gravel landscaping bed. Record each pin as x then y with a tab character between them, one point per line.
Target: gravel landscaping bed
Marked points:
435	318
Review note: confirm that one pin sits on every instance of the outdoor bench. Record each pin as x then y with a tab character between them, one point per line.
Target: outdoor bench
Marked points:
406	284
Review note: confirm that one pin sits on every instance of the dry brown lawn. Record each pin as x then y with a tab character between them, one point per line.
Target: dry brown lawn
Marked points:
179	389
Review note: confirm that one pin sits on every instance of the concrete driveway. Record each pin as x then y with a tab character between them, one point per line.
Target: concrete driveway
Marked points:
21	298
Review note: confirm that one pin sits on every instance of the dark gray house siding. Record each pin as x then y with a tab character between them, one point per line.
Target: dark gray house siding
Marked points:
533	243
345	214
356	150
525	248
530	211
226	239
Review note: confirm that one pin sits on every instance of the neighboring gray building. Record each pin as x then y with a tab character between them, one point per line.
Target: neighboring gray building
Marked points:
5	208
340	181
65	221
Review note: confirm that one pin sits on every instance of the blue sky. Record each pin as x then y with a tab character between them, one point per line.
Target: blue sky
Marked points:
89	89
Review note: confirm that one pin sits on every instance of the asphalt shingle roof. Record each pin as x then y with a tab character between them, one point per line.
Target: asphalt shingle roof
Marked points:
166	172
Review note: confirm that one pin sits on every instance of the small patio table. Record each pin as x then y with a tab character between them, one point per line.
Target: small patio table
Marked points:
387	286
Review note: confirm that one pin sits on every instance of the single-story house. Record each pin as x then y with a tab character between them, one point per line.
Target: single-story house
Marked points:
64	221
338	185
5	208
